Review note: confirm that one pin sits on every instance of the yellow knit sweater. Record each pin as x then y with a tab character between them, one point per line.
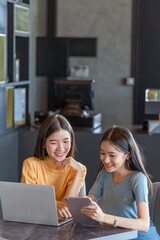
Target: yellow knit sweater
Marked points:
36	171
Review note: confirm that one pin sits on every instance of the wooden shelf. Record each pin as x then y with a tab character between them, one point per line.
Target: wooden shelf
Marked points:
16	28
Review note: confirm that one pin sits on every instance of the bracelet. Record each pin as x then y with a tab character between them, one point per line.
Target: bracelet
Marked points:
115	222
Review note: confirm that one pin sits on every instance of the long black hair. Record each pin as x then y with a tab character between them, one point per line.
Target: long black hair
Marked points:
123	139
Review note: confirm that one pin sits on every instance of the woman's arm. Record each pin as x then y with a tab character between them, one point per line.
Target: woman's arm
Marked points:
73	190
139	224
80	172
28	171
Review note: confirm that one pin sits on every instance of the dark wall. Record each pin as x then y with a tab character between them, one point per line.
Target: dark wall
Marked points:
147	53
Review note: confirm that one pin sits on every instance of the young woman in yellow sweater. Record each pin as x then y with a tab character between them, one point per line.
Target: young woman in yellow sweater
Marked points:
53	162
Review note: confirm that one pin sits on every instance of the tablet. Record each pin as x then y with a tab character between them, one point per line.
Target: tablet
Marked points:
75	204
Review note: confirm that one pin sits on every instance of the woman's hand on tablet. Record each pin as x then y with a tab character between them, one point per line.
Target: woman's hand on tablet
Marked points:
93	211
63	211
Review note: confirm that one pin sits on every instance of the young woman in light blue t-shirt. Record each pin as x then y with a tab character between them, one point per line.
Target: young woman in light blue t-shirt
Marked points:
122	185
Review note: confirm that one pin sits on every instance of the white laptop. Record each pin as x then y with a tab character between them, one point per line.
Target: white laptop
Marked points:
29	203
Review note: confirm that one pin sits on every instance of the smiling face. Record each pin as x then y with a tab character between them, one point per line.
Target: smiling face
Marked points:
58	145
113	158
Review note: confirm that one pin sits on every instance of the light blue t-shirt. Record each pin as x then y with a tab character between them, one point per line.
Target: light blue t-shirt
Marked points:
121	199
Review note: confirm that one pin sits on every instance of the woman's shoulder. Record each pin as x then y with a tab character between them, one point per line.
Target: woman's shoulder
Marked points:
103	174
32	161
138	177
